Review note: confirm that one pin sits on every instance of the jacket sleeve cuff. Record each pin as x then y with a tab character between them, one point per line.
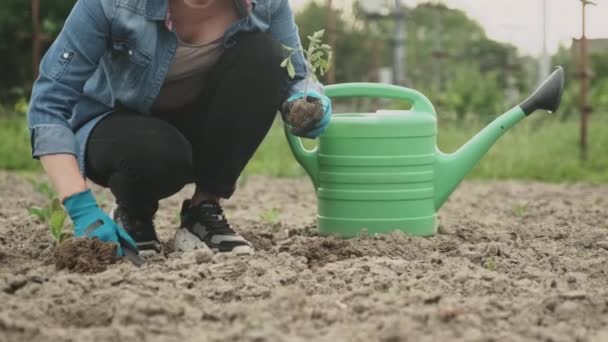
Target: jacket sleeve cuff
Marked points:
52	139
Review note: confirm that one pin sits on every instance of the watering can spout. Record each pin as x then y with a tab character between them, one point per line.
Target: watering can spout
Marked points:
450	169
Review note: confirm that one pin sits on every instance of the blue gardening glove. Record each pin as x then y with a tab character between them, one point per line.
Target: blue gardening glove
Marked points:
90	221
317	128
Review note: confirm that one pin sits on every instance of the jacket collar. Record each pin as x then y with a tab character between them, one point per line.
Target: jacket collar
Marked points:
157	9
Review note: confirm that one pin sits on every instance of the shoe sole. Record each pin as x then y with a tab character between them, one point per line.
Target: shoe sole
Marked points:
146	249
185	241
150	249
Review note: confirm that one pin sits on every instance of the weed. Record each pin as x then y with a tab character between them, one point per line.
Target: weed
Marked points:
520	209
271	216
490	264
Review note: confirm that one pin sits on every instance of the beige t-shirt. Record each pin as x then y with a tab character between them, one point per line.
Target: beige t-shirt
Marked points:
186	76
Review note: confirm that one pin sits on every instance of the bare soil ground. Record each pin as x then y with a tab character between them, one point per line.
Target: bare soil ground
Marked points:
515	261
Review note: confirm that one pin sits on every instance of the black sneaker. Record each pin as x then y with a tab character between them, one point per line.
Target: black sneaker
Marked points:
205	225
142	231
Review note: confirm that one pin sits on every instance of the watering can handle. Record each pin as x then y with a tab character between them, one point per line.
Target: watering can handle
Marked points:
308	158
420	103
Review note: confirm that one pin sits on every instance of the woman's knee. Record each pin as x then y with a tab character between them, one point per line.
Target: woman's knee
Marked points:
260	51
166	158
143	149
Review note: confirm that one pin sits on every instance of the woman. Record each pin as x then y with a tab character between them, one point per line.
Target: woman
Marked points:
146	96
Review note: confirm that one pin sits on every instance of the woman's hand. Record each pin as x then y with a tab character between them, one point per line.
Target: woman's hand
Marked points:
91	222
315	129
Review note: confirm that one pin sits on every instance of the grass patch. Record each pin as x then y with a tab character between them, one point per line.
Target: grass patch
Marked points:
274	157
544	150
15	152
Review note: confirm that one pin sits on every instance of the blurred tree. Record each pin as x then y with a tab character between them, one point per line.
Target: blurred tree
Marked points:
16	44
353	59
476	69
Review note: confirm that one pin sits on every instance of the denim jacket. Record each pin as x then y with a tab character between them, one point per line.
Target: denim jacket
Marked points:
114	52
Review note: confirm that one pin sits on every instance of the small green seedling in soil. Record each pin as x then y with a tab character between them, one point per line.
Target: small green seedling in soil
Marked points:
57	222
44	188
490	265
51	214
520	209
271	216
305	112
42	214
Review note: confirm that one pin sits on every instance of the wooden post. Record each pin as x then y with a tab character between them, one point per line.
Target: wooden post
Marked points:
36	37
585	76
331	39
399	54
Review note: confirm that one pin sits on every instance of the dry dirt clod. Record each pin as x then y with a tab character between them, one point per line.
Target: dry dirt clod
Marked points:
574	295
84	255
304	114
602	244
203	256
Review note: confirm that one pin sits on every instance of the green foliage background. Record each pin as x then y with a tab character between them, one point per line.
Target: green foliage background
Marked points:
15	42
475	75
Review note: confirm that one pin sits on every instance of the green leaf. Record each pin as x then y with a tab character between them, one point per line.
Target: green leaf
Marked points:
45	189
56	222
33	211
291	71
284	63
41	214
56	205
314	40
318	34
317	56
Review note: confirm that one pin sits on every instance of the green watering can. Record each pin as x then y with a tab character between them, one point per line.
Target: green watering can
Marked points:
383	172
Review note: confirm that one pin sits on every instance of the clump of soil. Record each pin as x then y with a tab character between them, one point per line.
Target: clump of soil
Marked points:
84	255
321	251
304	114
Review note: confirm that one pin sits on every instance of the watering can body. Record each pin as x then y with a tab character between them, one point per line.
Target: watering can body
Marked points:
382	171
368	180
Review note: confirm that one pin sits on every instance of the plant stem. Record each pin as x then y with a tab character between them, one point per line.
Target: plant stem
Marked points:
307	85
310	69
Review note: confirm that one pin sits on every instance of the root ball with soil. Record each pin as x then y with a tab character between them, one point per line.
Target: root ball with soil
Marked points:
304	114
84	255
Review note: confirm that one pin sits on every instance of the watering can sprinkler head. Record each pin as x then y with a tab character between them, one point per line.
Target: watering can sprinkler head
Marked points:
548	96
383	171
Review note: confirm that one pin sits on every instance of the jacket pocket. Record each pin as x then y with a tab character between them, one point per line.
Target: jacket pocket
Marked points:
128	62
60	66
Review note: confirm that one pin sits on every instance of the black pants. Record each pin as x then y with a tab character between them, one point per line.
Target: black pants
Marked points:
143	159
